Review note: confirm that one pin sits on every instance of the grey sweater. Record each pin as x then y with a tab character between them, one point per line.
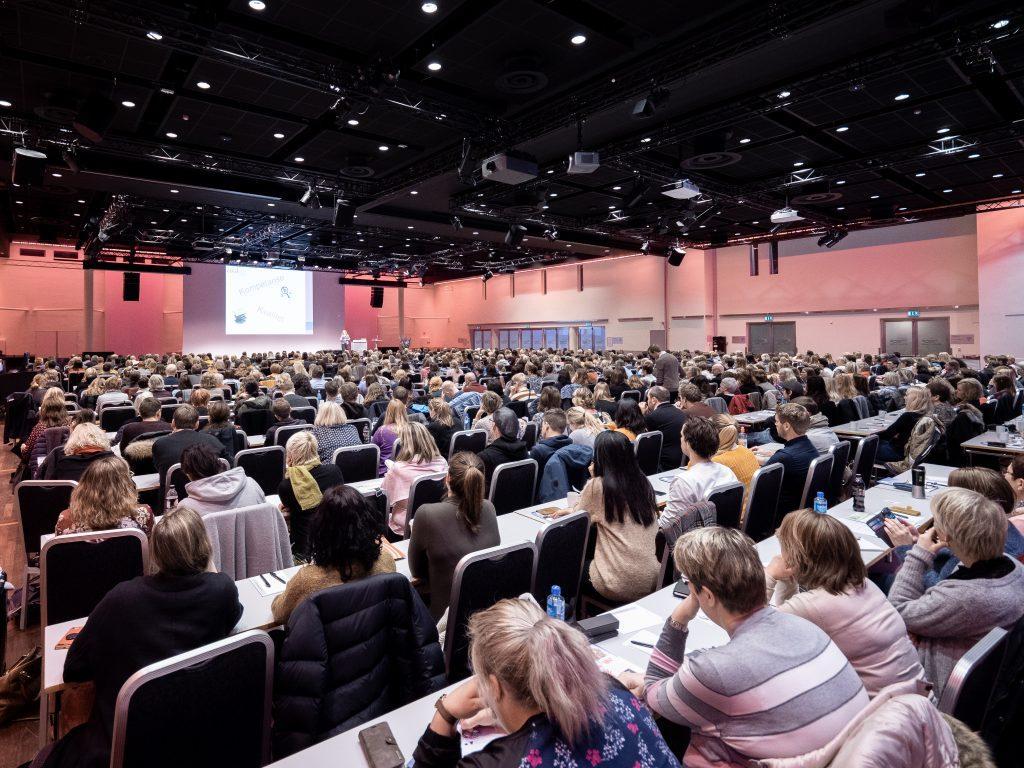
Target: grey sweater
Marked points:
953	615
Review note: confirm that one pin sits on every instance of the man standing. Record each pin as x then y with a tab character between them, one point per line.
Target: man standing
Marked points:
666	368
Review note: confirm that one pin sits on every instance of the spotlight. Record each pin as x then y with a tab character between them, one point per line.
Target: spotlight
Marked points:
645	246
456	223
307	196
487	275
551	234
647	106
514	236
831	238
676	254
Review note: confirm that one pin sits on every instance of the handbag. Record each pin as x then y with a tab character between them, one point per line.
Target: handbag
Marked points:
19	686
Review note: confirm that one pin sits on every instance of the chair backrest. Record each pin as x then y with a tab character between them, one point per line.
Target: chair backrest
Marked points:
763	503
633	394
228	686
363	426
561	552
840	458
281	434
530	434
167	412
264	465
358	462
717	404
472	440
425	489
482	579
728	501
177	479
116	416
818	475
78	569
513	485
39	504
970	685
377	409
648	451
254	421
311	399
519	408
864	459
471	412
667	566
305	412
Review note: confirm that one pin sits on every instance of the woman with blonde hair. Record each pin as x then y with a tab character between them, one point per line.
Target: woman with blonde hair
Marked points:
584	398
92	392
305	482
441	424
490	402
333	431
395	417
583	427
603	400
740	459
535	677
86	443
417	456
892	441
518	388
52	413
105	499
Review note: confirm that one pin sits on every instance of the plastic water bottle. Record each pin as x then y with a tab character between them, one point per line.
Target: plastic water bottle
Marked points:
556	603
170	499
858	493
743	436
820	504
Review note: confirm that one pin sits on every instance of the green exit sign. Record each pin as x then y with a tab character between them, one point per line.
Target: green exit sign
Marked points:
913	313
769	318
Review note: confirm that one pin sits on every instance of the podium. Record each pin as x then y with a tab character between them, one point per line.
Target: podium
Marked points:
358	345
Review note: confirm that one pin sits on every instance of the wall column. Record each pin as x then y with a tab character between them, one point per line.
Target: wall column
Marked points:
87	303
401	314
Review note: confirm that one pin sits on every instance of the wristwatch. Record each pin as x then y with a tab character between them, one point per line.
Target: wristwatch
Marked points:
442	710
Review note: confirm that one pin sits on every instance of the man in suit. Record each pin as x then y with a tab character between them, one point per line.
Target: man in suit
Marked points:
666	368
167	449
791	423
661	416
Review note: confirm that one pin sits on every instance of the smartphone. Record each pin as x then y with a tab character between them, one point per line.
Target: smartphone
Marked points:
681	589
380	747
877	524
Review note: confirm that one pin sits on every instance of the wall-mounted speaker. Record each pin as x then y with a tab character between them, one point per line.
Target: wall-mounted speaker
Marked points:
718	344
376	297
27	167
130	287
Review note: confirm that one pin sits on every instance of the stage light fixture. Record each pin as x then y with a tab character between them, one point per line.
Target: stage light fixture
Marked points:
676	254
514	236
456	223
647	106
551	234
645	246
487	275
307	196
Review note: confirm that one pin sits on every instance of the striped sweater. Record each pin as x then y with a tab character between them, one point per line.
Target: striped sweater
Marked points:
779	688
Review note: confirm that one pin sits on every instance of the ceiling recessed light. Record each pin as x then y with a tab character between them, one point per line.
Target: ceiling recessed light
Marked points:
973	156
611	207
947	190
152	222
1014	191
1000	24
78	214
154	36
82	202
841	182
271	205
300	159
744	141
919	174
257	5
414	192
798	163
434	66
783	94
383	147
127	103
20	202
278	135
645	140
429	7
171	135
616	189
943	130
997	175
476	233
842	129
901	97
874	197
903	207
203	85
59	175
578	39
174	191
184	221
352	121
5	103
553	194
410	227
841	208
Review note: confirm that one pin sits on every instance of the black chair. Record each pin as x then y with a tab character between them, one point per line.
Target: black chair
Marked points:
363	425
519	408
648	451
78	569
425	489
530	434
561	554
116	416
313	402
864	459
970	685
167	412
281	434
840	458
512	486
38	504
481	580
228	687
175	478
472	440
264	465
255	421
358	462
763	503
632	394
667	567
728	501
306	413
471	412
377	409
818	475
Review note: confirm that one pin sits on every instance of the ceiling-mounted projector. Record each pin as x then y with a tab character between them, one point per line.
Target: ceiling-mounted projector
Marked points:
509	168
681	190
786	216
584	162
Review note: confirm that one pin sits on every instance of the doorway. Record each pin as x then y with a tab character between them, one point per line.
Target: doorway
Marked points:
772	338
915	336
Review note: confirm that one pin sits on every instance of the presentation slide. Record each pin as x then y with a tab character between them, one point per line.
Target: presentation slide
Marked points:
267	302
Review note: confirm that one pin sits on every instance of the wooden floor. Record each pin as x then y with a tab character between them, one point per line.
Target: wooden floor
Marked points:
19	740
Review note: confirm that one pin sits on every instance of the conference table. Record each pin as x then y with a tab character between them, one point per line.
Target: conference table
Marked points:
993	444
870	426
754	418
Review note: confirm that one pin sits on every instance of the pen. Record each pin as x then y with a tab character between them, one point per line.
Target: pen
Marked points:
265	582
641	643
272	573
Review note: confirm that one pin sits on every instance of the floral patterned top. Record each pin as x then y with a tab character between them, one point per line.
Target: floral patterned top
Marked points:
141	518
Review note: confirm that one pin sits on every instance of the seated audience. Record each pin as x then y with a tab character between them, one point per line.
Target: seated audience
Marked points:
779	688
549	398
200	400
603	400
344	545
350	401
983	592
155	390
282	411
629	420
818	431
489	403
112	395
583	427
1015	476
52	413
942	395
791	423
441	424
820	576
211	488
417	456
552	437
702	476
445	532
395	417
691	401
537	679
251	399
661	416
86	444
286	387
220	427
738	458
968	422
892	441
584	398
181	606
505	445
333	431
167	449
105	499
306	480
150	421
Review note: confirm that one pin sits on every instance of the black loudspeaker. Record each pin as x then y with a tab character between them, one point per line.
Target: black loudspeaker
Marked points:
344	214
718	344
27	167
376	297
130	287
675	258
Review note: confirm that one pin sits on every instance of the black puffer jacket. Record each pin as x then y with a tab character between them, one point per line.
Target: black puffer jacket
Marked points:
353	653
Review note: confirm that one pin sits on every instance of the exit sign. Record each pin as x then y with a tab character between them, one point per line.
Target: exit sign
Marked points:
913	313
769	318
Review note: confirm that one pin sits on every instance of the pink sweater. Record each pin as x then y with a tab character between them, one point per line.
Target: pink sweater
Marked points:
398	481
865	626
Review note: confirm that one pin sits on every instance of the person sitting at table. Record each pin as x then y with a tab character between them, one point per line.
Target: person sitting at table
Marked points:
661	416
536	678
105	499
484	418
892	441
583	427
384	436
220	427
1015	476
551	439
305	481
505	446
982	593
167	449
700	443
86	444
691	401
628	419
820	576
791	423
151	420
333	431
1004	392
52	413
738	458
344	545
942	394
779	688
818	431
211	488
182	605
282	411
463	522
968	422
417	456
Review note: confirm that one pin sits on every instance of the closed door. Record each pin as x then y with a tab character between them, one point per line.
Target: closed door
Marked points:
771	338
918	336
898	337
932	335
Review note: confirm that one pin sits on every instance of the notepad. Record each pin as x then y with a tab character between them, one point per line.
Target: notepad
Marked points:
267	585
635	618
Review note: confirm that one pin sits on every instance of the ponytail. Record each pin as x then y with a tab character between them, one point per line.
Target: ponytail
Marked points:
466	484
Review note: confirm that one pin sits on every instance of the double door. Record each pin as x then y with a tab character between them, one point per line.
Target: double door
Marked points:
773	338
915	336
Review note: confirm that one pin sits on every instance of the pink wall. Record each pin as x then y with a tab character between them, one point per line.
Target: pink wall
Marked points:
151	324
1001	281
